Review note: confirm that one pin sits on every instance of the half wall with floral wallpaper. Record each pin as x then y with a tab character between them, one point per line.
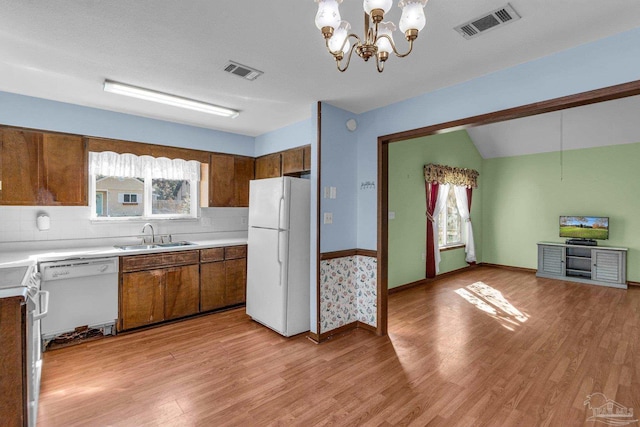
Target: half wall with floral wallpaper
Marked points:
347	292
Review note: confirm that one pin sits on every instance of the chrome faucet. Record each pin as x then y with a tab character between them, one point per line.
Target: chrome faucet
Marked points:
153	234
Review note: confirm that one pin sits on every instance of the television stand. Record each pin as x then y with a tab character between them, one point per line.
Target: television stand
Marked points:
595	265
581	242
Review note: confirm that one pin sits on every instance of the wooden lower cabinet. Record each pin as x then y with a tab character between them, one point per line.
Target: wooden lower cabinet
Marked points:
13	362
223	277
212	285
152	296
158	287
236	281
182	289
171	285
142	298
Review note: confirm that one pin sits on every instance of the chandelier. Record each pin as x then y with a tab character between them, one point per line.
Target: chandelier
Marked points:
378	35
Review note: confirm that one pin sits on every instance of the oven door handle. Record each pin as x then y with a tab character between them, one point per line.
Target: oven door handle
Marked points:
44	308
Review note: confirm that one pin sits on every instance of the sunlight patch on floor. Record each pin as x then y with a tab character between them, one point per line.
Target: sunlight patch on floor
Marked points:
493	303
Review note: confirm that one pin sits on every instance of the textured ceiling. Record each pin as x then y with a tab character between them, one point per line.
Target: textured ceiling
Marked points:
64	49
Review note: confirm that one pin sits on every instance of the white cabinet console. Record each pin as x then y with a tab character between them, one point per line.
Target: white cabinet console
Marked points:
596	265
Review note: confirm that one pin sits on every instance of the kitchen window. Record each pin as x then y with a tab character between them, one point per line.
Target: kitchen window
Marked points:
128	186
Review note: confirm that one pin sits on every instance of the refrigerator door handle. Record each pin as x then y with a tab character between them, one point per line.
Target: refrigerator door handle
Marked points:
280	206
278	248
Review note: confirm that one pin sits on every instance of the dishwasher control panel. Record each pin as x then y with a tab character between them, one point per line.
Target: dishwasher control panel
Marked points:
69	269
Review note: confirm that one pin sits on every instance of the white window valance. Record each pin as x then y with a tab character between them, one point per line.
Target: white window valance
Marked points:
109	163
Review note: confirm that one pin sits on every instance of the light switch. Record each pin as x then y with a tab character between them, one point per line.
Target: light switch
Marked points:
392	215
327	192
328	218
332	192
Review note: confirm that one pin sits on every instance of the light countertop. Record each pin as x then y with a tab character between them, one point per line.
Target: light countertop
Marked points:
28	257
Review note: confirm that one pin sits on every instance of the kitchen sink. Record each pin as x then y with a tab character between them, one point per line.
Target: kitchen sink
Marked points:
153	246
135	247
173	244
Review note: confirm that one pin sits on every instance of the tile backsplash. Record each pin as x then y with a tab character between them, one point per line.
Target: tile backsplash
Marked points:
18	224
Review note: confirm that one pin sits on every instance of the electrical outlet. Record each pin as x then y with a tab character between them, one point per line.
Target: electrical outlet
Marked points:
424	256
328	218
392	215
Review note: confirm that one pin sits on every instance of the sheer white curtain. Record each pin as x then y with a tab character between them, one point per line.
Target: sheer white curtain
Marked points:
463	208
443	193
109	163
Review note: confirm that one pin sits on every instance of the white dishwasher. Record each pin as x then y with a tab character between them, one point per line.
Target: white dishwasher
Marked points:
82	292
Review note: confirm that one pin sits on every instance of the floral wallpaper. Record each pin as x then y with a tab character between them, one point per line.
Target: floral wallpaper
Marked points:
337	293
347	292
366	289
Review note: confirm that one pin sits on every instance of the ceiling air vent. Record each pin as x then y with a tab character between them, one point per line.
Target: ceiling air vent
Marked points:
488	21
242	70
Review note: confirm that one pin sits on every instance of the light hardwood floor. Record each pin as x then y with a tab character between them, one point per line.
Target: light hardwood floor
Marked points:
485	347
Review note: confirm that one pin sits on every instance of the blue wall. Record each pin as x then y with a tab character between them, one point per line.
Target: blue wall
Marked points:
37	113
603	63
338	169
295	135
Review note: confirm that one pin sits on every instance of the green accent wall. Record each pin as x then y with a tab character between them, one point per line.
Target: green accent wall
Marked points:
517	204
523	197
407	232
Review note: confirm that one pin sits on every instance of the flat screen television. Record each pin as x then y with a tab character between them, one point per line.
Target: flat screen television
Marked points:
584	227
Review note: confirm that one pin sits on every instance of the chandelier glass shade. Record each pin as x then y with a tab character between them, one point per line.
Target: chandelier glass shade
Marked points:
378	40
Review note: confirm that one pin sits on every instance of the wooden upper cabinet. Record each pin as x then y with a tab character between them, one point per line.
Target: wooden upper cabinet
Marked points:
269	166
229	180
243	168
306	162
293	161
39	168
221	183
19	158
64	170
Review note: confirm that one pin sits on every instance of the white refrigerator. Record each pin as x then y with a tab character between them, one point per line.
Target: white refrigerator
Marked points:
278	254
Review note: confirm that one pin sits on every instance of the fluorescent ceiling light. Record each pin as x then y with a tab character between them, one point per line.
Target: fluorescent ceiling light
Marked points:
165	98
